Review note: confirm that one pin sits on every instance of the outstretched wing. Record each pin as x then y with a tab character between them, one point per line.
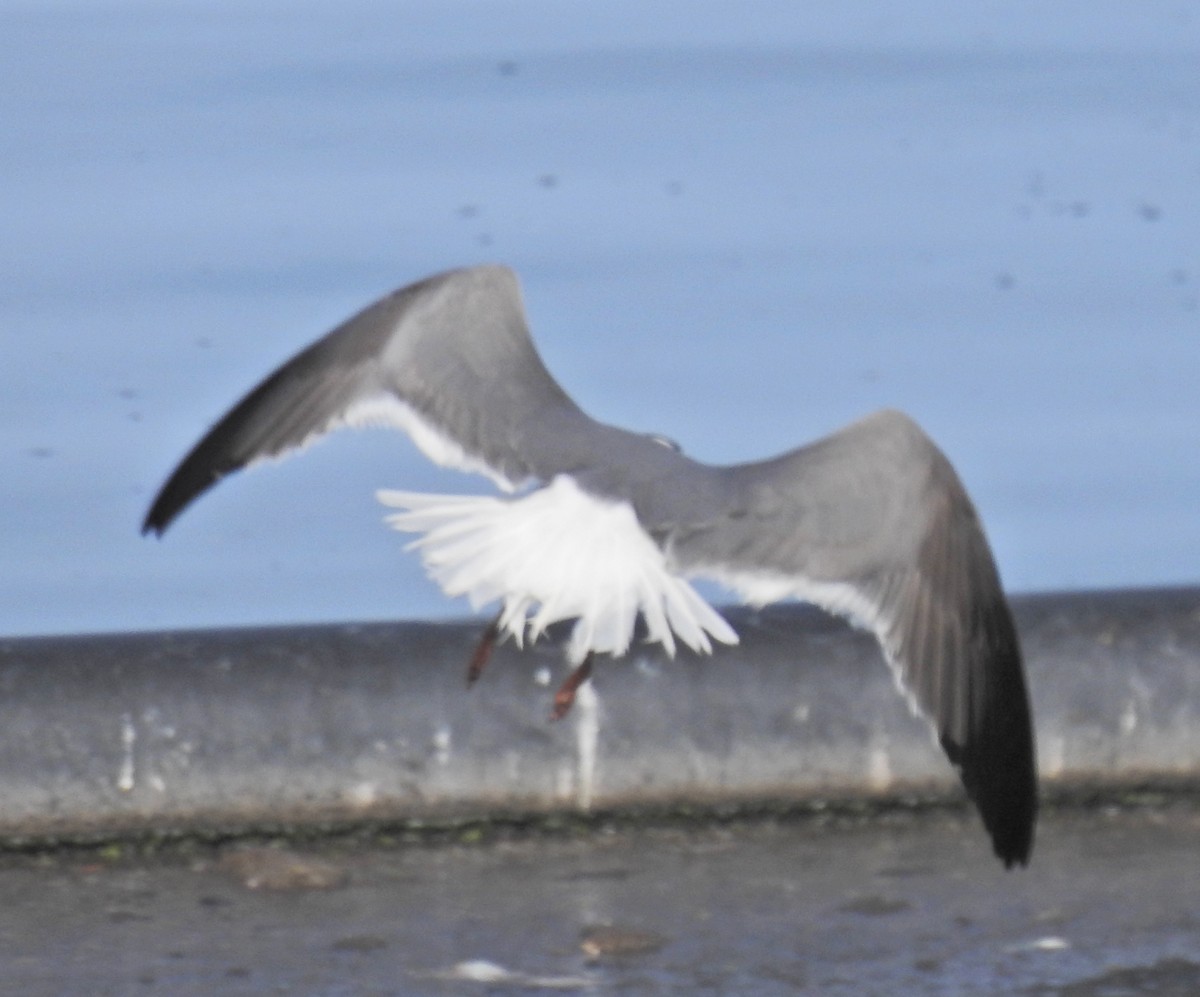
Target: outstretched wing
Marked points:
431	359
873	522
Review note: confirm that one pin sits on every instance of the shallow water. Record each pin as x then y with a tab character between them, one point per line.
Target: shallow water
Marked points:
741	234
913	906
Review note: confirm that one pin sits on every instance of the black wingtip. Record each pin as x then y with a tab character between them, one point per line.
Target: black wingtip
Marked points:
154	525
1014	849
193	477
157	518
999	774
167	504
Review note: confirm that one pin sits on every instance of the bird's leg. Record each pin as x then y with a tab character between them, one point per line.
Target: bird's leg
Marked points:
564	699
483	651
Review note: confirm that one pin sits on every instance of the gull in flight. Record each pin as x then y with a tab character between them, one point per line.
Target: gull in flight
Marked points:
604	526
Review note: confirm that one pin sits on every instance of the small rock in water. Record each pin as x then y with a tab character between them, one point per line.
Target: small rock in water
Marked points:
261	868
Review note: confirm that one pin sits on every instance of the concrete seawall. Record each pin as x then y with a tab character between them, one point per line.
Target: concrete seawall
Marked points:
235	729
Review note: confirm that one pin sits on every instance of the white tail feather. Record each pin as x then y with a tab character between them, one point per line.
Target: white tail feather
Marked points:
557	554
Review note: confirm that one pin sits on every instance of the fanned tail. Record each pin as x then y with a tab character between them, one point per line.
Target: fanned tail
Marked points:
557	554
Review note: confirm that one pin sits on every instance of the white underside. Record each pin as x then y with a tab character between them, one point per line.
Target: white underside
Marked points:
388	410
761	588
557	554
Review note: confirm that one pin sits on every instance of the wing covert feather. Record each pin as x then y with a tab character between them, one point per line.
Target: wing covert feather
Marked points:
873	522
428	358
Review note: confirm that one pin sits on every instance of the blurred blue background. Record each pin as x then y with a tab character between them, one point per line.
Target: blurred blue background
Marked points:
739	226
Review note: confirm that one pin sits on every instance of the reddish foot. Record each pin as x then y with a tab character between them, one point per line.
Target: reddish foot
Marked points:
564	699
483	651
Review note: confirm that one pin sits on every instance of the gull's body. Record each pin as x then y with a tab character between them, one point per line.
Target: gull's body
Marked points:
603	525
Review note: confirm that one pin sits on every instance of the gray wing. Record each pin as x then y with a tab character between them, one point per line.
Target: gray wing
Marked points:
449	360
874	523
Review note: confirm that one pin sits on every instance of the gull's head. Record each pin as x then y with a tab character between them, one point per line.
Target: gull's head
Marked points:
664	441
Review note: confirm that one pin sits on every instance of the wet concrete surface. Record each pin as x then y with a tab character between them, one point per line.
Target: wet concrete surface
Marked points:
238	729
900	904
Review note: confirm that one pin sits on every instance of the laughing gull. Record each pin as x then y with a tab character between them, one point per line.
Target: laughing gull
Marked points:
603	526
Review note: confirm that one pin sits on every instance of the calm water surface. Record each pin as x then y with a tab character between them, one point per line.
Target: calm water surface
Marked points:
742	234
